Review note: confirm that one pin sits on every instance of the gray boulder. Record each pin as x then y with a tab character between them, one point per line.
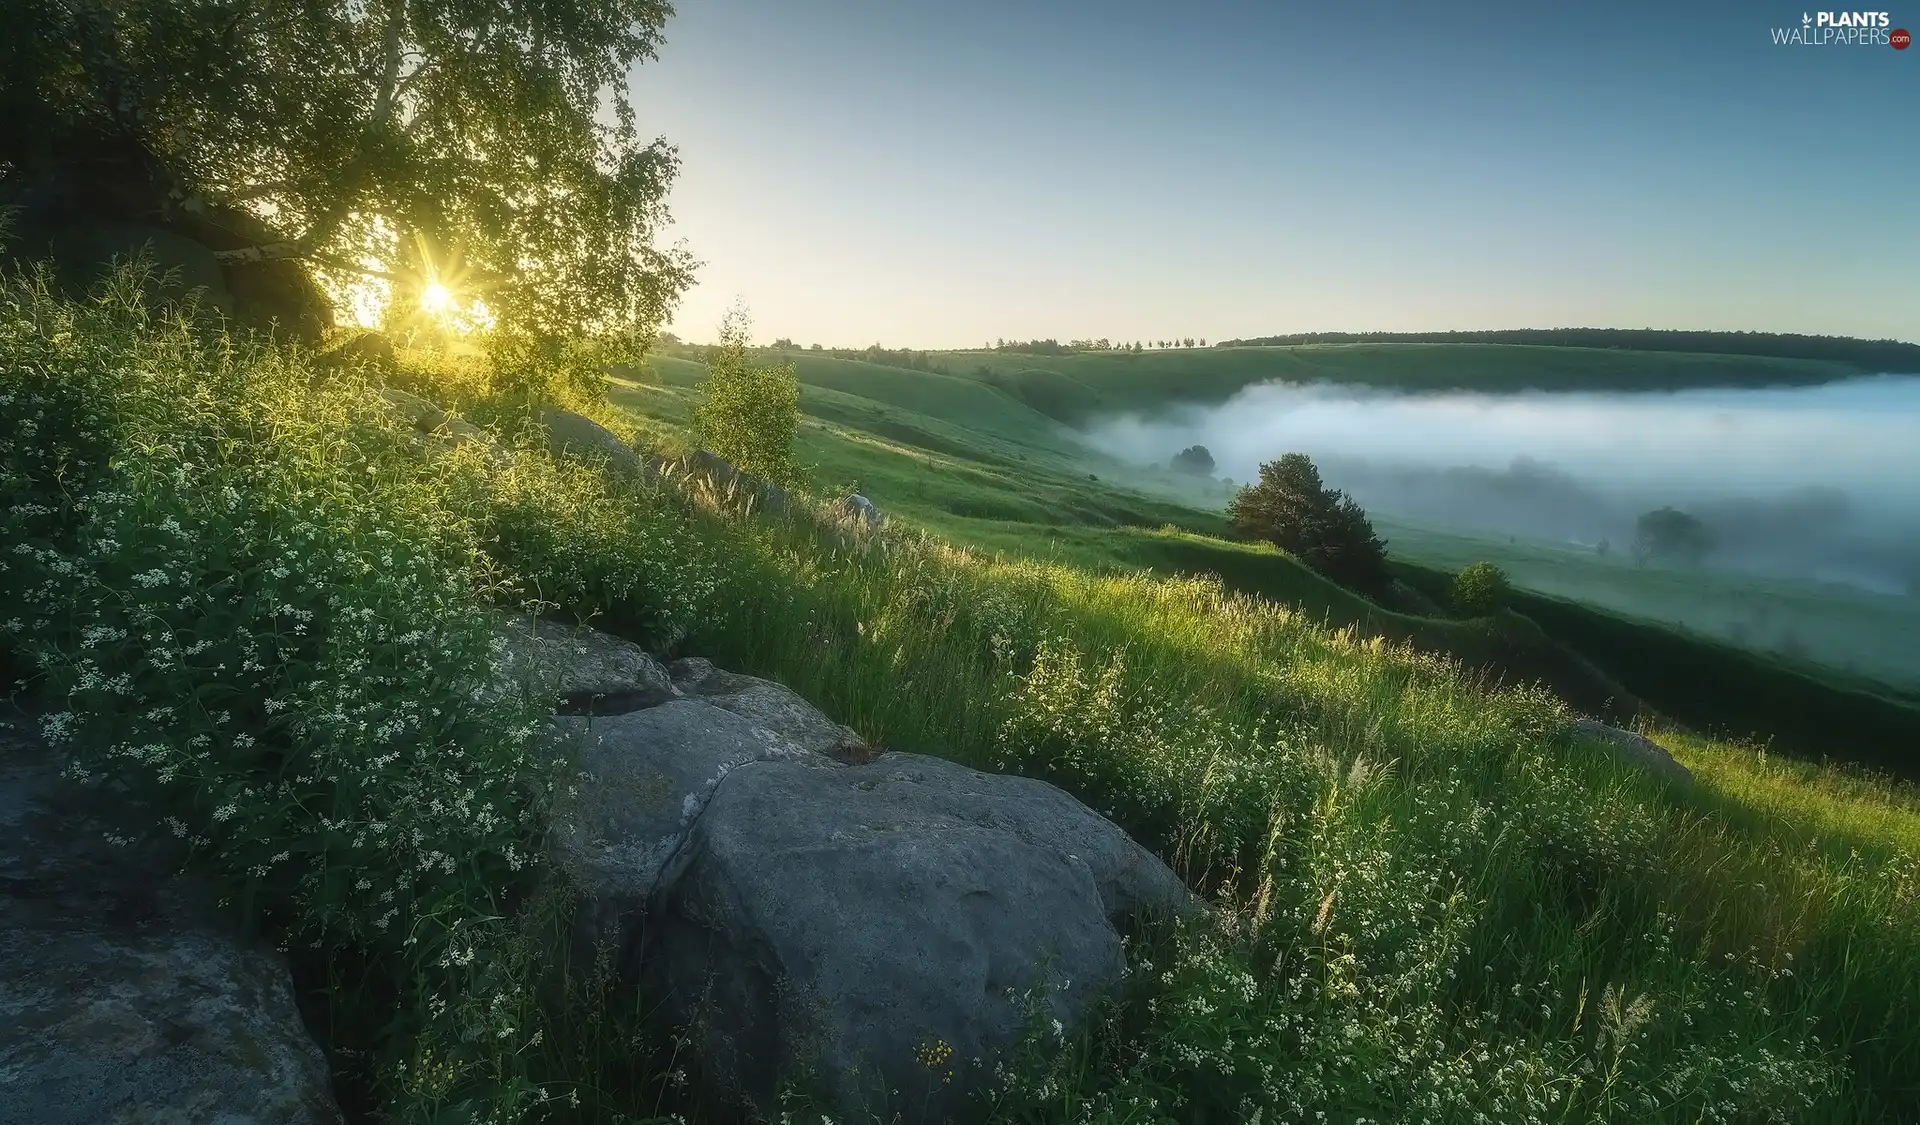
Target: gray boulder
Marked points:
435	423
724	478
842	924
859	511
773	707
581	436
84	254
837	921
715	468
1636	748
121	1001
643	779
585	670
368	349
419	413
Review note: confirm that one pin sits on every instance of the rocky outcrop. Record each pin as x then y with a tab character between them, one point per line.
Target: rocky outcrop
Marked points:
720	475
1636	748
644	778
426	418
858	511
583	671
771	707
843	924
803	917
581	436
370	350
121	1001
84	256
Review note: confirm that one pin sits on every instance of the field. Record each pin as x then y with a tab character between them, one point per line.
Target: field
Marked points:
968	461
1829	628
332	351
1432	901
1074	387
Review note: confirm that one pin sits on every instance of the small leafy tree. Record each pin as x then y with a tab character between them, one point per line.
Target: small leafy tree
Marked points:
1668	533
1194	459
749	414
1323	527
1480	589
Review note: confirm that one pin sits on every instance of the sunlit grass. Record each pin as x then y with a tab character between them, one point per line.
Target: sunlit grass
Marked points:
1430	904
1850	808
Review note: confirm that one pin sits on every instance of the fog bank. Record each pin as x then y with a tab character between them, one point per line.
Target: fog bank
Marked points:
1819	482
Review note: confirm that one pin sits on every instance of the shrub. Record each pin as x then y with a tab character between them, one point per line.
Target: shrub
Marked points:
1480	589
749	414
1668	533
1322	527
1194	459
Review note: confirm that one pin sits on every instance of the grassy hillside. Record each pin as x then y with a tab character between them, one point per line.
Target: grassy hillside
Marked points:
1842	633
236	576
1864	356
992	475
1074	388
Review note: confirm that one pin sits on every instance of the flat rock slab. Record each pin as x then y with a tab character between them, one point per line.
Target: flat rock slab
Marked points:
1636	748
581	436
835	920
584	670
771	706
120	1001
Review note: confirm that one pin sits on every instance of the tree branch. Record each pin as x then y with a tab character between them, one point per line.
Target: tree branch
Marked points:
377	123
269	252
255	191
390	73
290	251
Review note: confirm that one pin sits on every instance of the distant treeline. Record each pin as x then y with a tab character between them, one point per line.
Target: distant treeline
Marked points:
669	344
873	353
1872	355
1052	346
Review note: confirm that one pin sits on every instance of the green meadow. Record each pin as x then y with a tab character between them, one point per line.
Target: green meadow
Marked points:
1830	629
1075	387
1432	901
261	564
1823	671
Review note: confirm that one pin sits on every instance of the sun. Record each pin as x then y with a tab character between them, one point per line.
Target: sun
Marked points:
436	298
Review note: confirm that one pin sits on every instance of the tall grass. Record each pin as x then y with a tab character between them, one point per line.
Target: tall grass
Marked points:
1430	904
255	598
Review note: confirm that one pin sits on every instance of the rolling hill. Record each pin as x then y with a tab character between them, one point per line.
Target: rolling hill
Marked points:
985	459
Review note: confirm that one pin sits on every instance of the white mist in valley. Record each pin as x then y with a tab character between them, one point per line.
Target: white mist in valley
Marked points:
1820	482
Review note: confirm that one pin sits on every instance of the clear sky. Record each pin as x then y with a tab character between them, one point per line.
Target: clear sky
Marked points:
938	174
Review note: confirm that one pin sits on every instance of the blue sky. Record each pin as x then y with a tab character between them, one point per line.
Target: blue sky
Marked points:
932	174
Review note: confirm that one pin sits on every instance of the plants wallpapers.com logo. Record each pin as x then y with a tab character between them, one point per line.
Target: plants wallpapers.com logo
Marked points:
1843	29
